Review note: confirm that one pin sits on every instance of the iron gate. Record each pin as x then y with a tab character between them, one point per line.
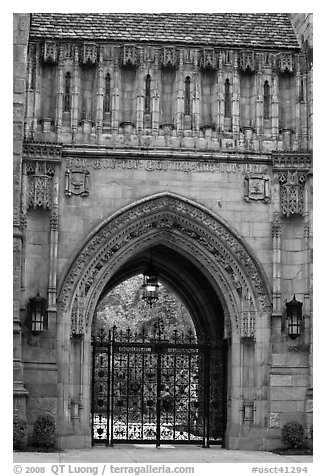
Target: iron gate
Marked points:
157	390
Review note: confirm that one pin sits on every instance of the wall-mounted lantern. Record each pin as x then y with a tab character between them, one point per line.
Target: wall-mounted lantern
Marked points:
37	314
294	317
150	285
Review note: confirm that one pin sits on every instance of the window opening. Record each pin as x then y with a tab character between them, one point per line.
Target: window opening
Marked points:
148	95
67	99
266	100
187	96
107	95
227	99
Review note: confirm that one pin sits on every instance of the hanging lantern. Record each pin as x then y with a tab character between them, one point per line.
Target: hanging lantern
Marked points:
37	311
150	285
294	317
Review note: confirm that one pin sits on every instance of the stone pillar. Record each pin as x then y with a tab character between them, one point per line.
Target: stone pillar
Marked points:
20	37
37	89
75	92
259	99
276	250
196	102
116	92
59	107
303	114
180	93
220	95
140	81
99	94
54	237
236	98
297	104
156	94
29	107
274	93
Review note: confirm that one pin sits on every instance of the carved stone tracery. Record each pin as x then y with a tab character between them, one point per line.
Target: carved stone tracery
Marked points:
179	222
129	56
168	57
88	53
292	192
39	190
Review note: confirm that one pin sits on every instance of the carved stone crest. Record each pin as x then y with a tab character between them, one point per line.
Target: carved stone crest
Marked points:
77	182
257	188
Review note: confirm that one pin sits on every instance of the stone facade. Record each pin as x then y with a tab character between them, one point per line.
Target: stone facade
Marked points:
201	153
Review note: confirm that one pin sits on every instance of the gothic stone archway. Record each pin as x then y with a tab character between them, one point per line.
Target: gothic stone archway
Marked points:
227	262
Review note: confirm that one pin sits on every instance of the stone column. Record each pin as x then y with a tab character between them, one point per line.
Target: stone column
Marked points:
180	93
37	89
220	94
116	91
140	80
156	94
276	250
196	95
236	98
303	114
99	94
75	92
21	24
59	108
54	237
30	95
297	108
274	93
259	99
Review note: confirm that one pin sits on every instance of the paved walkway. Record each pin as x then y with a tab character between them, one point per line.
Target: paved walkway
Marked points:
165	454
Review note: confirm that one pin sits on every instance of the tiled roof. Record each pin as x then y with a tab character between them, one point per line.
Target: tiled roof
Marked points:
254	30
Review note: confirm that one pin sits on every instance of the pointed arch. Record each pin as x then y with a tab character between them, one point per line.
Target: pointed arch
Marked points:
206	239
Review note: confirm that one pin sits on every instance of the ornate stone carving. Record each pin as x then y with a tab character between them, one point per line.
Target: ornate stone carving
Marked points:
256	188
39	191
277	226
247	61
285	62
208	59
248	317
88	53
168	57
292	192
291	160
77	182
185	224
54	219
42	150
78	313
129	56
292	170
49	52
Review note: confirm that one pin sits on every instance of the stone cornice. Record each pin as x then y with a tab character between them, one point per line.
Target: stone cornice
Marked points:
292	161
42	151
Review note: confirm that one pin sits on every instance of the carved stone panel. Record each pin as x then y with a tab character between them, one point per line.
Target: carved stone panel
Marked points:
49	52
168	57
77	182
208	59
292	192
257	188
88	53
247	61
39	191
129	56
